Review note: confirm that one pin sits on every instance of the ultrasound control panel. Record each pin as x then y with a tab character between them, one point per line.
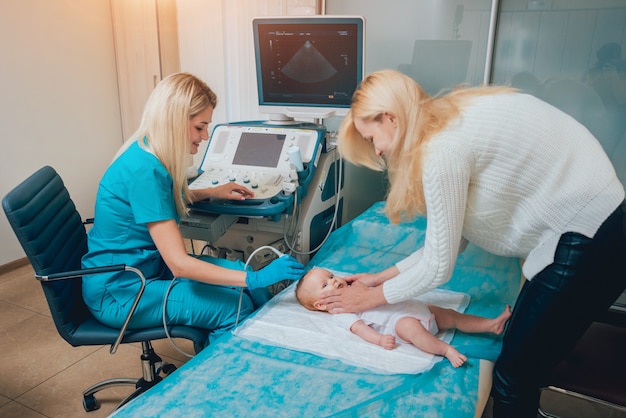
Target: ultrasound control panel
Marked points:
264	185
259	157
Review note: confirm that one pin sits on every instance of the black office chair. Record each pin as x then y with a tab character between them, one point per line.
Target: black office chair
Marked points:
53	236
595	370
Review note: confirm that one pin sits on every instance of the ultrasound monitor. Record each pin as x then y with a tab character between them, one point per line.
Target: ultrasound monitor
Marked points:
307	66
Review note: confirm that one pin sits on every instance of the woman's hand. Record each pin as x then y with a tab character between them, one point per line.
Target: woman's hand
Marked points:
355	298
367	279
365	292
227	191
375	279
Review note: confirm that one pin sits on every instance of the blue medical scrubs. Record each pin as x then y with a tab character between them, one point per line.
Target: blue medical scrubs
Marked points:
137	189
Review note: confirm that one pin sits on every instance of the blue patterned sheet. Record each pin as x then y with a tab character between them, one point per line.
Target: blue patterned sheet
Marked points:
238	377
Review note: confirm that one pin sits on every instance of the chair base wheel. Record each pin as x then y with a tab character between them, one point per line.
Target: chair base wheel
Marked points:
168	368
90	403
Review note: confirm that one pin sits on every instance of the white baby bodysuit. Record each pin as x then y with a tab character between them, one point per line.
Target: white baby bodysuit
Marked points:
383	318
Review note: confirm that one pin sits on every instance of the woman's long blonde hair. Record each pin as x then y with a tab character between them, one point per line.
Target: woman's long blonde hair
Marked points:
419	117
165	126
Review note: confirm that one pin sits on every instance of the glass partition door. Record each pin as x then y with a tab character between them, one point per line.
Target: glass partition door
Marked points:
569	53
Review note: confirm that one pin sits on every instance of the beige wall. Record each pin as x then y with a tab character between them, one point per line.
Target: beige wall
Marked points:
59	103
201	48
58	98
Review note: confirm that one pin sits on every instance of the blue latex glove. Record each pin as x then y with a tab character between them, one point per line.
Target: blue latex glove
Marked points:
283	268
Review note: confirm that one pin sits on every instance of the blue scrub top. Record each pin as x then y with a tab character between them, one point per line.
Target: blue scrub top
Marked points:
135	189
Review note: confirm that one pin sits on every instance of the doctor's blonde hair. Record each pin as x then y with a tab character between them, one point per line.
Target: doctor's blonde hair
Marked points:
419	117
165	124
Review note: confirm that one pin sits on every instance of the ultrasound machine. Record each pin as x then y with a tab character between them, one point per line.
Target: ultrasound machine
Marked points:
306	67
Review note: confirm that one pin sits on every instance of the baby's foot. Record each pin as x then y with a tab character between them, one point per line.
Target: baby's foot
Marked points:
456	359
500	322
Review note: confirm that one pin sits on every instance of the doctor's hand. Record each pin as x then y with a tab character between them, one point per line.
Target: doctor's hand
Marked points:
228	191
357	297
283	268
231	191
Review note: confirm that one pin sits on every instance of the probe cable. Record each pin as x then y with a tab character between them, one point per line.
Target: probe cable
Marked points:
169	288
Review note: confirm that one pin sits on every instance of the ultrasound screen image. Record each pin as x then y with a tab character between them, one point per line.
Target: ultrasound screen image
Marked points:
309	63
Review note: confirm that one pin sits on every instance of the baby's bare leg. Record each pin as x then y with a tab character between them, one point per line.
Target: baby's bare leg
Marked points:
449	319
411	329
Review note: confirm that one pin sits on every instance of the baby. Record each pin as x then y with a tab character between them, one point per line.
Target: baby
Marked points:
412	322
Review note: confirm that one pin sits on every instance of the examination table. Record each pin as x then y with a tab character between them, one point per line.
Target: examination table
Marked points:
238	376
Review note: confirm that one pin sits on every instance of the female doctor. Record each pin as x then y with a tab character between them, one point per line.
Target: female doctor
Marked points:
512	175
140	200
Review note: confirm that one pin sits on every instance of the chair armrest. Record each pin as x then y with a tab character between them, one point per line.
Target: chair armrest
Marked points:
98	270
79	273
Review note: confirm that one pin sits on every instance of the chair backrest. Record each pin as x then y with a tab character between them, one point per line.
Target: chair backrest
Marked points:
53	236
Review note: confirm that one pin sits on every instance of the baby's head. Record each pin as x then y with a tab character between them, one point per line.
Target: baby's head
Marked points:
311	288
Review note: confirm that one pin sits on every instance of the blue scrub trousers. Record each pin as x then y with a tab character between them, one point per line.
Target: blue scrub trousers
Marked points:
553	311
192	303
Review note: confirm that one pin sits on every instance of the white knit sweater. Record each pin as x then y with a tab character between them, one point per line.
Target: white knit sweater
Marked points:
511	175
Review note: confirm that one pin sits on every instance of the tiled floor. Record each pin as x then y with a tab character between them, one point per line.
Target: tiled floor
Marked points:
42	376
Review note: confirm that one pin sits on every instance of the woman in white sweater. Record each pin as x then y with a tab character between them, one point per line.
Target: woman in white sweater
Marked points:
511	174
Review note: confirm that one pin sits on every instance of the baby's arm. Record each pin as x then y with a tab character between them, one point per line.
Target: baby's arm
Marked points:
387	341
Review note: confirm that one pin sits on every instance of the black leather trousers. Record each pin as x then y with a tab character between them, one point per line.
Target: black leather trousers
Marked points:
554	309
